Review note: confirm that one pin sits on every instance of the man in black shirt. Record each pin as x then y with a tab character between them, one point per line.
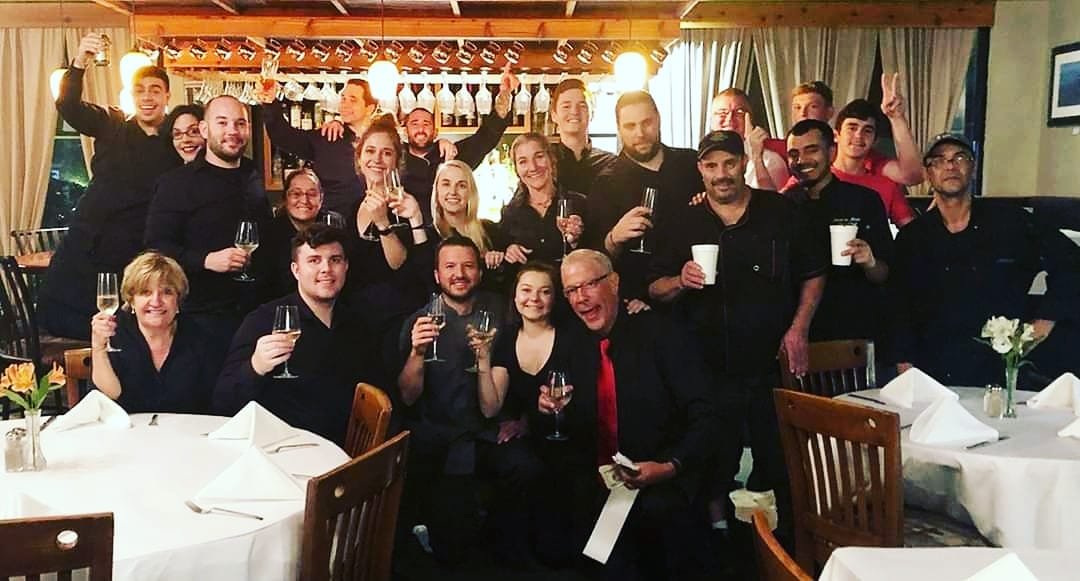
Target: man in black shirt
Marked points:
852	303
107	230
333	353
770	273
578	162
968	260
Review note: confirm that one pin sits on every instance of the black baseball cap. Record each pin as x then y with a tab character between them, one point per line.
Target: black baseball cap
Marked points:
723	140
944	138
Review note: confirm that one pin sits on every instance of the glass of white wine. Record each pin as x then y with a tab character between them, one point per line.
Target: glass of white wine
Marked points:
559	393
395	192
287	322
437	312
482	327
108	300
566	209
247	239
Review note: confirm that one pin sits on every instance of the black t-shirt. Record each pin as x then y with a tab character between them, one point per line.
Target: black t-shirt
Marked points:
524	387
521	224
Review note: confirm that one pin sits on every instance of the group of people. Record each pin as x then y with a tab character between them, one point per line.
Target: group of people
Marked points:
581	276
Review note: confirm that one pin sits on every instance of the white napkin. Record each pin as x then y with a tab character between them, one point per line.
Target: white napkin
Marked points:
1007	568
947	423
16	504
256	424
1071	431
1063	392
913	385
95	407
253	476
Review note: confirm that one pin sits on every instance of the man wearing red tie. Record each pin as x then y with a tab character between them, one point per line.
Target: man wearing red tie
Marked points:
640	390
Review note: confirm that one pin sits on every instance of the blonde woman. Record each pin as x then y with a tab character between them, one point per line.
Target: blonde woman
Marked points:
454	208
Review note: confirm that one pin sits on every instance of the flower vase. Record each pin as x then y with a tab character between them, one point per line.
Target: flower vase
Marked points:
1010	391
35	460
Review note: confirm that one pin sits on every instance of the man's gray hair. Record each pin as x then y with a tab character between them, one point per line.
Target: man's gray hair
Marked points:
599	259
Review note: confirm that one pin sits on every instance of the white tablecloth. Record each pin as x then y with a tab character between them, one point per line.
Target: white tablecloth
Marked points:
1023	492
944	564
144	474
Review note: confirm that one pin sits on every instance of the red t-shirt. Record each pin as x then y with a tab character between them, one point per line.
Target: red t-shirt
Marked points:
892	195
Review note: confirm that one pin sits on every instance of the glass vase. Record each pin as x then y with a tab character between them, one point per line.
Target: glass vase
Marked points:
34	460
1010	391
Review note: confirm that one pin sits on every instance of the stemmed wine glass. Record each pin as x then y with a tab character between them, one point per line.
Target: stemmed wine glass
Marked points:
247	239
108	300
369	232
648	200
437	312
559	393
566	209
287	322
395	192
482	327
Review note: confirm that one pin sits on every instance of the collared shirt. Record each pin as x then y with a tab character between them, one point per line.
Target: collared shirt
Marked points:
328	363
947	285
195	211
763	261
578	174
522	224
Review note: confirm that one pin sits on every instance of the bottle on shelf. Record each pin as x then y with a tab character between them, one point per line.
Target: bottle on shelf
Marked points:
406	99
522	103
483	98
464	106
306	122
446	102
426	99
541	104
295	114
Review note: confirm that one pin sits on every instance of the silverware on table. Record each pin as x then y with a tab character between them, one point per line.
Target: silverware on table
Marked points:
49	421
153	420
284	447
212	509
865	398
986	443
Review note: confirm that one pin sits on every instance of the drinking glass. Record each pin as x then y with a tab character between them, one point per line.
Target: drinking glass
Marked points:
268	70
566	209
108	299
437	312
648	200
247	239
370	233
101	59
287	322
395	192
559	393
481	327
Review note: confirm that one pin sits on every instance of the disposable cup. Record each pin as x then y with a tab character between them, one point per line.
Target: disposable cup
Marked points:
705	257
839	236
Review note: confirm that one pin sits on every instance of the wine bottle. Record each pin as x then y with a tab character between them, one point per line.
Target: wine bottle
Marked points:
446	101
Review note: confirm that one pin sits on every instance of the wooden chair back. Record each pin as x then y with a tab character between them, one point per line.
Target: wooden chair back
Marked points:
77	369
33	547
844	466
18	324
37	240
369	420
774	563
351	515
836	367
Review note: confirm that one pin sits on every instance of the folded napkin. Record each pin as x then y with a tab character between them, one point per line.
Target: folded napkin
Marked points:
256	424
1071	431
95	407
1063	392
16	504
947	423
913	385
253	476
1007	568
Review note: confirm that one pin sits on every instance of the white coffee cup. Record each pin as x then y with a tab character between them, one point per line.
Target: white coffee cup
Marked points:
839	236
705	257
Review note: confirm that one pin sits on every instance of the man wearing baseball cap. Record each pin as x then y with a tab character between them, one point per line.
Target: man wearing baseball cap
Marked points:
764	257
968	260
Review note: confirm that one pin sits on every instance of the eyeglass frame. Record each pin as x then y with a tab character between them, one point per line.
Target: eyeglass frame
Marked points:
588	286
722	113
192	132
940	161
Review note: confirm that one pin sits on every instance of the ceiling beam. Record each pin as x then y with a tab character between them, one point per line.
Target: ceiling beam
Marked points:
340	7
570	6
47	15
227	5
115	6
916	14
455	7
688	8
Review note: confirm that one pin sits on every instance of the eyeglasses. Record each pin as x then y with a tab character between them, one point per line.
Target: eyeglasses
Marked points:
193	133
297	194
587	287
940	161
723	113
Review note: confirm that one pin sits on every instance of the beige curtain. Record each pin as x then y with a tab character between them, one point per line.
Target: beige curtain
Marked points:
787	57
703	63
101	85
27	125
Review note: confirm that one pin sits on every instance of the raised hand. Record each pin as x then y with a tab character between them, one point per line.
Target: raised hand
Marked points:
755	137
892	100
89	46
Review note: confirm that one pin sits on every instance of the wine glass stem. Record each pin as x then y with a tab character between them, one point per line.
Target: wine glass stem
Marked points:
557	417
435	348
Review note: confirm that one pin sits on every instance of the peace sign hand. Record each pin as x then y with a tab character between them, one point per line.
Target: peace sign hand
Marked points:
892	101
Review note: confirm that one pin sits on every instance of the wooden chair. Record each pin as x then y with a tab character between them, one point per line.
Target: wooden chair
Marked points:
774	563
77	369
57	544
369	420
836	367
38	240
351	516
18	323
843	463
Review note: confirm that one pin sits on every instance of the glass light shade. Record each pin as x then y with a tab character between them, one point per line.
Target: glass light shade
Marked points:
132	62
631	71
127	101
383	79
54	82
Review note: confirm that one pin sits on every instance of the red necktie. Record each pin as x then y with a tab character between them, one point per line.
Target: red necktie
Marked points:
607	411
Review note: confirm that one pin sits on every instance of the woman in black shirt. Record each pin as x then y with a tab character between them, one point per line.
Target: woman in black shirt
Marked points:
454	205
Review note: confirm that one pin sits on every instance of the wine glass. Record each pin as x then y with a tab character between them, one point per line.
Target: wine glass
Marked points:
559	393
108	300
566	209
481	327
370	233
437	312
395	192
247	239
648	200
287	322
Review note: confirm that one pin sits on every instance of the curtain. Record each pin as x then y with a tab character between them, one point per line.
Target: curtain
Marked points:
788	57
701	64
27	126
101	85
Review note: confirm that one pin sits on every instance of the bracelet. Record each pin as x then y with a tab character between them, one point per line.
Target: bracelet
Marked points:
420	227
382	232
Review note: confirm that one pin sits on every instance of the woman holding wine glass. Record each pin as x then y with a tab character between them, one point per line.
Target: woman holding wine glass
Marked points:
454	207
159	360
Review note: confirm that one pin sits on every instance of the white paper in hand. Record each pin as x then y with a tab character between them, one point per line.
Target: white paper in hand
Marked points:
95	407
1063	392
1007	568
256	424
947	423
913	385
253	476
612	517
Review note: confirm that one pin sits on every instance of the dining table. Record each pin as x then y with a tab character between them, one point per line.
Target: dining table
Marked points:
145	473
942	563
1021	491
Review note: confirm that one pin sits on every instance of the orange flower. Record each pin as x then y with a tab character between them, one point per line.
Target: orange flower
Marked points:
56	376
18	377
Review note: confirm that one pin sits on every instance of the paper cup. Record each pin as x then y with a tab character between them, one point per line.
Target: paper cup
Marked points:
705	257
839	236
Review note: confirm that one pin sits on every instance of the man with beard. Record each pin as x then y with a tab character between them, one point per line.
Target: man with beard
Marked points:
852	301
730	111
578	161
333	353
453	444
107	230
617	220
196	211
968	260
770	273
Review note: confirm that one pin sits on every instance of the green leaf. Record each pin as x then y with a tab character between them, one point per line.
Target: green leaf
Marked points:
18	399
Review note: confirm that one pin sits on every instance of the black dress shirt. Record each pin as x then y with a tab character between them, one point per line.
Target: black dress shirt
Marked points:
329	362
578	174
521	224
764	258
195	211
524	387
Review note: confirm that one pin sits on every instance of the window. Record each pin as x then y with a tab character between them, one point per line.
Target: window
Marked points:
67	177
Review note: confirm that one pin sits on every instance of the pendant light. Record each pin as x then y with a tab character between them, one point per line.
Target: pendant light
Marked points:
134	60
383	76
631	71
57	76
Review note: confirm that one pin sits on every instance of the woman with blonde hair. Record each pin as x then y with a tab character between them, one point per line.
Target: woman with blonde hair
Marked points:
162	361
454	208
